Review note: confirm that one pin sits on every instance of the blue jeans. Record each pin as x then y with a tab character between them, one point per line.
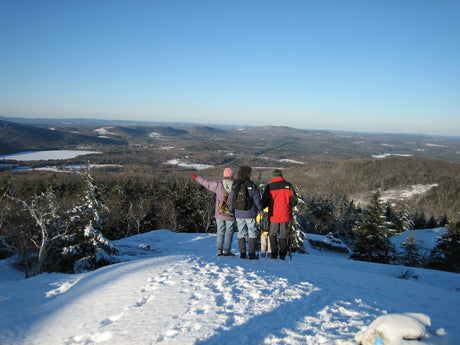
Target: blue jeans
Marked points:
247	226
225	229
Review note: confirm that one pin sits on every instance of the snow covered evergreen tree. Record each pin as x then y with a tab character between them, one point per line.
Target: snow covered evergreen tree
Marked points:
373	243
298	235
446	254
404	221
85	246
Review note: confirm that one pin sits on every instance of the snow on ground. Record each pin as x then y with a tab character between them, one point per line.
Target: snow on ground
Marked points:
290	161
45	155
404	194
104	131
171	288
385	155
154	135
195	166
398	194
426	239
72	168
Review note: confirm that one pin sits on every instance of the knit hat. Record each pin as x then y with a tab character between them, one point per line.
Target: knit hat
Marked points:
228	172
277	173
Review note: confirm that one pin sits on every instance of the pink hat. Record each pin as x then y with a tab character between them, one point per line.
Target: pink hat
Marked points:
228	172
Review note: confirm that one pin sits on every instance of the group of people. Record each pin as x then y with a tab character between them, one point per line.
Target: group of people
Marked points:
239	201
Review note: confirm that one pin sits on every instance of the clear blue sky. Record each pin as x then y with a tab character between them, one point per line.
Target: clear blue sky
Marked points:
391	66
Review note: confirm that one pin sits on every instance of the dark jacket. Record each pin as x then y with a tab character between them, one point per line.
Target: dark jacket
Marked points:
256	204
280	197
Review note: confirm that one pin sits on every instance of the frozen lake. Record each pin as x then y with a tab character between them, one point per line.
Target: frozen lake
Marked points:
45	155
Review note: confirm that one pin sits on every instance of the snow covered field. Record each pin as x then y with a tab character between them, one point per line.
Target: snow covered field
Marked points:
171	288
195	166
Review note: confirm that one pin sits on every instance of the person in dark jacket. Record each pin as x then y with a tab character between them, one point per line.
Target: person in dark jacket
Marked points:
279	196
225	220
246	219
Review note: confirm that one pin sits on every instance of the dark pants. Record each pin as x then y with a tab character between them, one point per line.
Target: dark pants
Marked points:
283	230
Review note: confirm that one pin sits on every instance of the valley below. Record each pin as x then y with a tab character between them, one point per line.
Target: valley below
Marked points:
422	171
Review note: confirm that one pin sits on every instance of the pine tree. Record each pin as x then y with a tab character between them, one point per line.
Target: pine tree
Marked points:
191	206
297	234
411	254
347	216
446	254
373	242
86	247
420	221
404	221
322	215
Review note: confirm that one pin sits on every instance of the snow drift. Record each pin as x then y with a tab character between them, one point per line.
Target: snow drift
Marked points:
171	288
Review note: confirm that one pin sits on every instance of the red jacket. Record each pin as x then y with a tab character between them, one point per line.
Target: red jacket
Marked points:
280	197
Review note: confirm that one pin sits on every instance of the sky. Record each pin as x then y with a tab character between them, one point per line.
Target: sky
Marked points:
375	66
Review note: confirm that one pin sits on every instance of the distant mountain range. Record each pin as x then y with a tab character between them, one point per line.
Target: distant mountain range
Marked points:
319	162
277	142
16	137
85	122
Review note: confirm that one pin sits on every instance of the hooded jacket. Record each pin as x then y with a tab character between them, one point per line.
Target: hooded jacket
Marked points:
280	197
220	188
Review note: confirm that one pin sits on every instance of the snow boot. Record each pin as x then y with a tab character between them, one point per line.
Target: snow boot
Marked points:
242	245
274	247
252	248
253	256
283	248
219	252
228	253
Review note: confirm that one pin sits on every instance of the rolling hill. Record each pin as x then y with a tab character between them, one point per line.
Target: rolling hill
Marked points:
319	162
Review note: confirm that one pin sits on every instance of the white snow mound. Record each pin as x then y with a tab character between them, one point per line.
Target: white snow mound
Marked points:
395	329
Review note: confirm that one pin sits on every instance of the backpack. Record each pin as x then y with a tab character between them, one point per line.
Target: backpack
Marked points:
241	198
224	206
264	223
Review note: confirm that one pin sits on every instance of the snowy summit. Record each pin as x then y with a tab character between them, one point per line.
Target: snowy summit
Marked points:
171	288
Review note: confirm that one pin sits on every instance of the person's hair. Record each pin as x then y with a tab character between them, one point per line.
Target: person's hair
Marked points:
277	172
244	172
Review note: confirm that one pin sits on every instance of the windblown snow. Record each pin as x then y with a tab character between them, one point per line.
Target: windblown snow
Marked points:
171	288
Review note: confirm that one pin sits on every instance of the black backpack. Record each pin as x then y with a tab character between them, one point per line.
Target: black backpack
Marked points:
241	198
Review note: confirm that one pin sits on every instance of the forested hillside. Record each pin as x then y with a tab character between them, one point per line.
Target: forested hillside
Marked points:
61	215
320	163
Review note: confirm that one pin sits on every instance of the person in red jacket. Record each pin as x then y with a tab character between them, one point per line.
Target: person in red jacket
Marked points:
279	196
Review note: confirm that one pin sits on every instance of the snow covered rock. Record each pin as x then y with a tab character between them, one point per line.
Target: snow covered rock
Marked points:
395	329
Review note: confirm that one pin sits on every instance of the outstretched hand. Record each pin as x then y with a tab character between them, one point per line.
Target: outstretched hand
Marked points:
194	177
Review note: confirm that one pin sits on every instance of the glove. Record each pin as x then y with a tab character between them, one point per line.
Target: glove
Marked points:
194	177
